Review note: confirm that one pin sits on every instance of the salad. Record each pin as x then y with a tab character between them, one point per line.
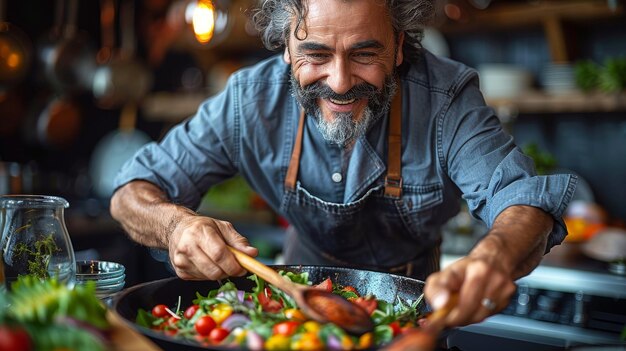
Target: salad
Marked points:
268	319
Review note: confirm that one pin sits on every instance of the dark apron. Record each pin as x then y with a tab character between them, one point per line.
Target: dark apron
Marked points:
369	233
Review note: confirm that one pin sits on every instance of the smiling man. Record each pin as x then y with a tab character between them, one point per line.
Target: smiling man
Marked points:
366	143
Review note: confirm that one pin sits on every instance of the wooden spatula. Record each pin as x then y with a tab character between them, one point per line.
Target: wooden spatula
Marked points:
424	338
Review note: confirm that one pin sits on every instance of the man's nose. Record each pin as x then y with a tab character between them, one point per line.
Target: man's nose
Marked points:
340	77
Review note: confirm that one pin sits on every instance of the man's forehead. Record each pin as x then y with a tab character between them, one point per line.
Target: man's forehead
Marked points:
343	14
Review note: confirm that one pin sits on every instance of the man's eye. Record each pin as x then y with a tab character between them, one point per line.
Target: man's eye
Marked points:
316	57
364	57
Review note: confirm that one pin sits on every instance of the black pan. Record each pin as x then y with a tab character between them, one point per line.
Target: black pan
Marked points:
384	286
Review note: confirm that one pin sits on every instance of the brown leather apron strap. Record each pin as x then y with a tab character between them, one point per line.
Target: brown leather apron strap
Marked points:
294	163
393	179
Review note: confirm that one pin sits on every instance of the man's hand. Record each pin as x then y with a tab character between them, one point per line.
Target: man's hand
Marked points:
475	279
197	249
485	278
196	244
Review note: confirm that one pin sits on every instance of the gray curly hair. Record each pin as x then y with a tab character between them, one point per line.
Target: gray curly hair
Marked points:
273	18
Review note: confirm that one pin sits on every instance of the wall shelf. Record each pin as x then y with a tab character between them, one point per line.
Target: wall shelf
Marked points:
522	14
574	102
551	15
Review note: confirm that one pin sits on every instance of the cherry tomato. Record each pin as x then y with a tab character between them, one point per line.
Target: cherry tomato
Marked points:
218	334
190	311
368	304
204	325
173	322
14	339
160	311
326	285
267	303
286	328
395	328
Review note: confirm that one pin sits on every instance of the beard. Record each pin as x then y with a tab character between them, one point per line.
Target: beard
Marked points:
344	127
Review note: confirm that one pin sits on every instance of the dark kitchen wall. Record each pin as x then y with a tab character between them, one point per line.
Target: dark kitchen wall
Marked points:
31	164
592	144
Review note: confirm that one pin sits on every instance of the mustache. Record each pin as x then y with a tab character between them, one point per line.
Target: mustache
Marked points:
361	90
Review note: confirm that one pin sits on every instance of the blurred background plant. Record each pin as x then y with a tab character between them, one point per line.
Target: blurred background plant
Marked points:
609	77
545	162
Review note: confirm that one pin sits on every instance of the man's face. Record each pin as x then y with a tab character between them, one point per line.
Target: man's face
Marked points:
343	68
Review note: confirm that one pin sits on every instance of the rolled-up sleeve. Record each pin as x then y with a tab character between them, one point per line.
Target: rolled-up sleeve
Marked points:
490	170
192	156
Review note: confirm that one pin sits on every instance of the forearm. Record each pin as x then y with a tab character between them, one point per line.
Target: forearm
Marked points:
517	240
146	214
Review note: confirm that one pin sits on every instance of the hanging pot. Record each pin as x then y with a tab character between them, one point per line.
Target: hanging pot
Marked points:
124	78
67	55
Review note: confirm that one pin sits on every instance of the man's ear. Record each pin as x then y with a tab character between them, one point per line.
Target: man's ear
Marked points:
286	56
399	56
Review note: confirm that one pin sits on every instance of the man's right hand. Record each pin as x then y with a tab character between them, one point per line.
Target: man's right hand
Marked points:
197	248
196	244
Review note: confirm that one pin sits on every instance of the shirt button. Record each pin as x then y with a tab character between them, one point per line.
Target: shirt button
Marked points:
336	177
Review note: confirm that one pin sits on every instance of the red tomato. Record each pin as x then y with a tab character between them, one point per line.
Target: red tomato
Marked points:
395	327
218	334
326	285
190	311
368	304
286	328
160	311
267	303
204	325
14	339
173	322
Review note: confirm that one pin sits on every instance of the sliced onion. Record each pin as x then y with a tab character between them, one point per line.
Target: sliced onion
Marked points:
254	341
240	295
333	343
235	320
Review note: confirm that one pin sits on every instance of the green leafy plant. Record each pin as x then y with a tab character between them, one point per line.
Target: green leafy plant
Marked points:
587	75
609	77
544	161
613	76
55	316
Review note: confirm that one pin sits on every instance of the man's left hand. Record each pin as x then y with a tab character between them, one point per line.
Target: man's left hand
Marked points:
484	289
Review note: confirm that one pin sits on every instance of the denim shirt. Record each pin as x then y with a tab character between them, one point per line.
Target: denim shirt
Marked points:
453	146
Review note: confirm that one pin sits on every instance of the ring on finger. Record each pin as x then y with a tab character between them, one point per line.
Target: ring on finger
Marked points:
488	304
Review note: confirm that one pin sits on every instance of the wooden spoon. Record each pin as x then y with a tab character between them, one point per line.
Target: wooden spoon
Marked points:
425	338
320	305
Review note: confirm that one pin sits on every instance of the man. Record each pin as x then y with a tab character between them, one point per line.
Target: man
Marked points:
389	139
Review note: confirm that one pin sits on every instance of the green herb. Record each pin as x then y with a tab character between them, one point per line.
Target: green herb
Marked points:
39	255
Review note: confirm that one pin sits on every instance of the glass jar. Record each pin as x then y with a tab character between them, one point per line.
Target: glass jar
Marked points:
35	240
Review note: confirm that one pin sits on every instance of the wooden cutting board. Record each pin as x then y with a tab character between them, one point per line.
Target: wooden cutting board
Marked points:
124	338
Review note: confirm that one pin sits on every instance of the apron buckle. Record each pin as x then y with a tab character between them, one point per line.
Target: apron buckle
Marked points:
393	186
